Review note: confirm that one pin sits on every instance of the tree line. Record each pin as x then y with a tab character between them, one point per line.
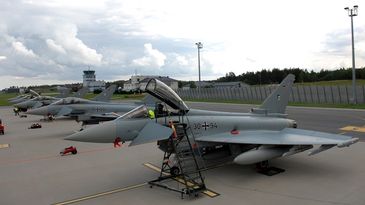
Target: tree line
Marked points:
276	75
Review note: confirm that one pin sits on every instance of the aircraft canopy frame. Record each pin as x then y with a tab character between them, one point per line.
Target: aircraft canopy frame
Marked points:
164	93
68	101
138	112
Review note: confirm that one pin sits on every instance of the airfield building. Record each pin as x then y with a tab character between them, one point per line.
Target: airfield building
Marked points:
89	80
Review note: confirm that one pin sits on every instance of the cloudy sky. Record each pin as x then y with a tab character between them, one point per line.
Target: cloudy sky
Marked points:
52	41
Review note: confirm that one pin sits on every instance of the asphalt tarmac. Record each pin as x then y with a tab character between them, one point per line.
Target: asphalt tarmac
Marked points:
33	172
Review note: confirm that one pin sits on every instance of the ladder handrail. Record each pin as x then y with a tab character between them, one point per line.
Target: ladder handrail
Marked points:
193	136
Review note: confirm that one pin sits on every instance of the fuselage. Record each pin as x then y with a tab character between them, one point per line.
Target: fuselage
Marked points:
91	107
199	125
225	124
33	102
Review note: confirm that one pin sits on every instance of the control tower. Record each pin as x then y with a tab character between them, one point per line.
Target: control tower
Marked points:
89	76
89	80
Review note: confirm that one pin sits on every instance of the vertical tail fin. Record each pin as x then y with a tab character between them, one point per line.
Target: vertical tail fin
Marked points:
33	93
81	93
150	100
106	94
278	100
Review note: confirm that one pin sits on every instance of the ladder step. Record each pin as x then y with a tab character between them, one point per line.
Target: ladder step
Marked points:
187	158
190	172
182	147
182	151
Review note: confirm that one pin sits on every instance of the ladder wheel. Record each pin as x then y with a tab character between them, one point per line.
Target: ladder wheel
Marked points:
174	171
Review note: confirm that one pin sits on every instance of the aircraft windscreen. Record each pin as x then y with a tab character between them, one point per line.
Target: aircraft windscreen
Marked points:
138	112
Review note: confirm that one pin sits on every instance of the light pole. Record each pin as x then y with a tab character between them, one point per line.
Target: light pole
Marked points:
200	46
353	12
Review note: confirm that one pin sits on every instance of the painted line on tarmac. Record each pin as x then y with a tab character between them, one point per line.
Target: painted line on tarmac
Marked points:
4	146
353	129
207	192
101	194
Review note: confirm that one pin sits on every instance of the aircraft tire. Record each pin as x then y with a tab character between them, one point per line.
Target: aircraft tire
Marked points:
174	171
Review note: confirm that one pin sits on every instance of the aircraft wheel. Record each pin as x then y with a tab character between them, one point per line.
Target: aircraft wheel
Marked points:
262	165
174	171
74	152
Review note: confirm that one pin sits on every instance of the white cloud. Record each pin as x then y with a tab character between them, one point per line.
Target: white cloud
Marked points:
2	58
77	51
57	39
21	49
181	60
55	47
153	58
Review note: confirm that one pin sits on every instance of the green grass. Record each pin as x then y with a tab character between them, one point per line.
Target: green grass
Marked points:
119	96
128	96
4	98
90	96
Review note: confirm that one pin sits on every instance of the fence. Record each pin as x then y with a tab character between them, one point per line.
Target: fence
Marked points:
340	94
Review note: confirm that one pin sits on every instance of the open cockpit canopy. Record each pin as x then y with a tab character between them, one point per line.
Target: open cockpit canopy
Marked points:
164	93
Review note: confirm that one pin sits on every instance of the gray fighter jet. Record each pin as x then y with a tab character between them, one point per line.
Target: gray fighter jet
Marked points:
83	108
21	98
244	138
16	97
41	100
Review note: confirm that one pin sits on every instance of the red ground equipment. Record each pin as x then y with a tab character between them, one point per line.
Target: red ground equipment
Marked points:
2	128
35	126
68	150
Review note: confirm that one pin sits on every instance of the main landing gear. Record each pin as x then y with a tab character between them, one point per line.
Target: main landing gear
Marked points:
265	169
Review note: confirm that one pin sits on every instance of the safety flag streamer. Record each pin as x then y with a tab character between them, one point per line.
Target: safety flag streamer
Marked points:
174	135
117	142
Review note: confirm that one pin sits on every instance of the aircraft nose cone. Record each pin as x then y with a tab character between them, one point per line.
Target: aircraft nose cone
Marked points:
22	105
38	111
102	133
13	99
19	105
17	101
